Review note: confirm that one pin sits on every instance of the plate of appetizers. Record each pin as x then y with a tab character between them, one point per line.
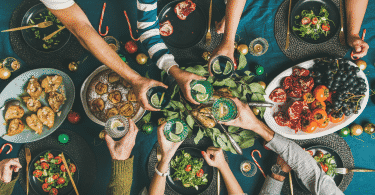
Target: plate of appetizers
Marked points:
45	98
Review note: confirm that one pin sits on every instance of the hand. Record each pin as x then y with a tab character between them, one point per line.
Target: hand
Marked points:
167	148
226	48
360	47
220	27
7	166
184	79
141	86
214	157
284	166
121	150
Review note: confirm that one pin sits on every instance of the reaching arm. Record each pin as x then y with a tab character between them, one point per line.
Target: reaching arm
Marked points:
7	167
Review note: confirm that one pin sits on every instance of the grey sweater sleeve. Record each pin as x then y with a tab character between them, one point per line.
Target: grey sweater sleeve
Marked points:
271	186
306	168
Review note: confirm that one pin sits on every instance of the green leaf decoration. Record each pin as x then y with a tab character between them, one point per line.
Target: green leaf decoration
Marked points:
222	144
248	79
147	75
216	132
247	134
257	88
219	83
210	79
242	62
231	149
235	93
233	129
162	75
198	70
256	97
147	117
177	105
170	114
236	138
247	72
199	136
262	110
247	143
190	121
187	106
230	83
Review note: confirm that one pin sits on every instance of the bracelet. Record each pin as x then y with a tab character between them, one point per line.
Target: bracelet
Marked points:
159	173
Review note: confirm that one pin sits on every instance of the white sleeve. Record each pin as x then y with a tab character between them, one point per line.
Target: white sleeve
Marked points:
57	4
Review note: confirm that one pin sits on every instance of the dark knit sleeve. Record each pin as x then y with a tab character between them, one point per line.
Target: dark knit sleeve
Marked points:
7	188
121	177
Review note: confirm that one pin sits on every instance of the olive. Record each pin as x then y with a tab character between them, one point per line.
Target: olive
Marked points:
341	73
341	61
334	88
318	80
340	114
329	110
344	77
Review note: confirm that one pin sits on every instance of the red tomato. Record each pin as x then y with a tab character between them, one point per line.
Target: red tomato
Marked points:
200	173
45	165
131	47
314	20
188	168
37	173
62	168
321	93
59	160
53	191
45	187
320	154
305	20
326	27
42	160
310	152
72	168
50	156
55	176
325	168
60	180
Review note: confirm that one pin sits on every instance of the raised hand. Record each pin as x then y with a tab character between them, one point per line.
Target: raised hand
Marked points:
168	148
214	157
141	87
7	166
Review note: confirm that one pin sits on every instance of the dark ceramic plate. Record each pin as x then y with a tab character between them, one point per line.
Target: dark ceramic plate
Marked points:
37	185
337	178
177	185
37	43
186	33
315	5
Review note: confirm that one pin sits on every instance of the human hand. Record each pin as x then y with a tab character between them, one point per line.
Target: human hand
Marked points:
7	166
220	26
141	86
284	166
214	157
121	150
168	148
359	46
225	48
184	79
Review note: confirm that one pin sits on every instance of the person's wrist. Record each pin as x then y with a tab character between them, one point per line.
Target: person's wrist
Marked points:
123	157
223	166
278	177
174	70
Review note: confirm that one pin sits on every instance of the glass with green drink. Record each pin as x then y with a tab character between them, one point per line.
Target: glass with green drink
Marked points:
201	91
176	130
224	109
158	97
222	67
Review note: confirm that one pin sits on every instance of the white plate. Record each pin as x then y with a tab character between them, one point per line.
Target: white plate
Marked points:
290	133
84	91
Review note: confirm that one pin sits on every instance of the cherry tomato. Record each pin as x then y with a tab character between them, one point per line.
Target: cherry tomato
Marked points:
335	120
308	97
319	115
53	191
60	180
73	117
62	168
200	173
324	124
45	165
55	176
188	168
46	187
42	160
310	152
320	154
326	27
325	168
59	160
131	47
318	104
305	20
321	93
50	156
314	20
309	126
37	173
72	168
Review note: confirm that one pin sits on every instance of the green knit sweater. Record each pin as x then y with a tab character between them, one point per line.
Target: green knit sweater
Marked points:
119	183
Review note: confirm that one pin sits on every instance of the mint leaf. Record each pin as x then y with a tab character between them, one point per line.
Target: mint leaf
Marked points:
190	121
198	70
242	62
230	83
256	88
210	79
233	129
147	117
256	97
199	136
247	72
247	134
247	143
236	138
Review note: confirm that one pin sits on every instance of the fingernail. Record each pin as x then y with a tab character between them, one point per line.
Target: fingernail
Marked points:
202	152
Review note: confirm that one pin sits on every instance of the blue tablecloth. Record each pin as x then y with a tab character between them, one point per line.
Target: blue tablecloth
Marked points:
257	21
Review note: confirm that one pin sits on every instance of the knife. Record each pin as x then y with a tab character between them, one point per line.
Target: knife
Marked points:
260	104
288	32
342	34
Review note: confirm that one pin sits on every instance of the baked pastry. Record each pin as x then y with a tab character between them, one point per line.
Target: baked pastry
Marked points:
115	97
15	127
127	109
34	123
55	100
47	116
131	96
101	88
112	112
32	103
113	77
33	88
97	105
51	83
14	112
125	83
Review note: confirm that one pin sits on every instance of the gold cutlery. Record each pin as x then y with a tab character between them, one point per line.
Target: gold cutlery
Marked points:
291	183
218	182
208	35
40	25
342	34
70	175
288	32
346	170
53	34
28	159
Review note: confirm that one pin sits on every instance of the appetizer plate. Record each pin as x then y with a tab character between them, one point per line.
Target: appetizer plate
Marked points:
177	185
37	185
29	36
87	90
16	89
290	133
186	33
337	178
315	5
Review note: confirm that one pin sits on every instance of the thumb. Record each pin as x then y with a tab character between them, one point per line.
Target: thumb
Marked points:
206	157
358	48
110	142
161	84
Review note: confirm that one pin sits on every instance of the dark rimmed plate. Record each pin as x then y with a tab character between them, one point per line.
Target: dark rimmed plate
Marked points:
186	33
177	185
37	185
37	43
337	178
315	5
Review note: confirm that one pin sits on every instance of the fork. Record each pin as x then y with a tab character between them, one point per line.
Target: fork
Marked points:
208	35
346	170
28	159
40	25
53	34
342	34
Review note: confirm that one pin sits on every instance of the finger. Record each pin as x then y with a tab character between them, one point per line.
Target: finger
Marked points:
207	158
146	105
161	132
109	141
161	84
14	162
188	95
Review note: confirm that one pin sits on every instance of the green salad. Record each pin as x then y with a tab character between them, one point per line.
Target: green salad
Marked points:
327	162
43	17
188	170
313	26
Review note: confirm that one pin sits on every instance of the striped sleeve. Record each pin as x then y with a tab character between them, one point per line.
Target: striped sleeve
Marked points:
148	29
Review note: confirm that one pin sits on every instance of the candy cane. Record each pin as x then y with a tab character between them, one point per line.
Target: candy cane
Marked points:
101	21
130	27
256	162
10	149
363	38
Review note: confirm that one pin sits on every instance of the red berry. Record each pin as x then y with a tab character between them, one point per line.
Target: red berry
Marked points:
73	117
131	47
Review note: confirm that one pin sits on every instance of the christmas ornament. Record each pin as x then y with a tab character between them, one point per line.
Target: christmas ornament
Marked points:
206	55
102	135
235	45
141	58
344	132
73	117
361	64
356	130
243	49
63	139
131	47
259	70
263	84
4	73
73	66
255	110
147	128
161	121
369	128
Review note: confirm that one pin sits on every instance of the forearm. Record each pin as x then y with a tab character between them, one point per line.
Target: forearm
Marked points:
355	11
232	18
230	181
157	185
121	177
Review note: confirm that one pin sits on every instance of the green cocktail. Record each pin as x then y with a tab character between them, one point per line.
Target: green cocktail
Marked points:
222	67
176	130
201	90
158	97
224	109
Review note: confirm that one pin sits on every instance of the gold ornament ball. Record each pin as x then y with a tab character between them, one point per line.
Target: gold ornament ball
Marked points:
361	64
243	49
141	58
206	55
73	66
255	110
369	128
356	130
102	134
263	84
161	121
4	73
